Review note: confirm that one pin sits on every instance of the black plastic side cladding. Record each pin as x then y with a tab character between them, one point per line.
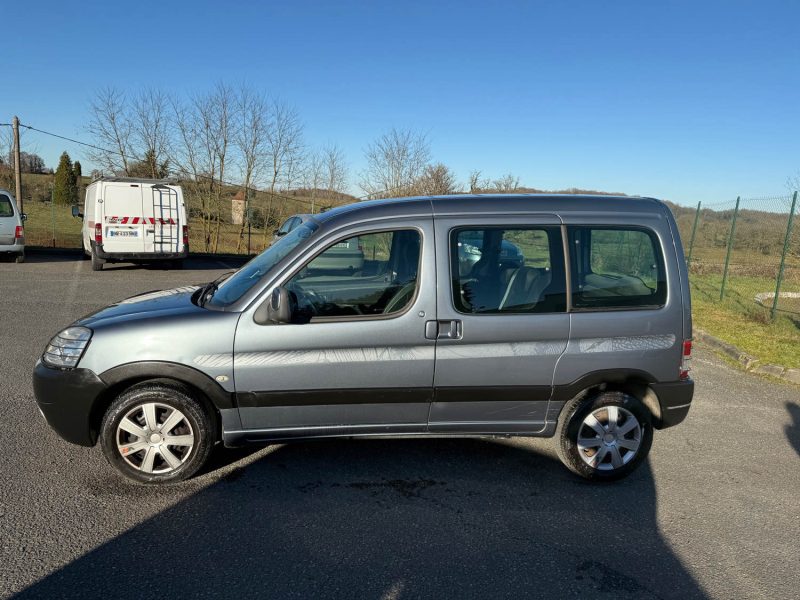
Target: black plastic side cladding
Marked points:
221	398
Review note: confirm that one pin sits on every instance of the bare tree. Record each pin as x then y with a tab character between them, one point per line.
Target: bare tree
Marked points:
110	127
284	150
336	171
252	127
218	122
395	161
314	176
193	161
149	126
437	180
478	184
205	130
506	184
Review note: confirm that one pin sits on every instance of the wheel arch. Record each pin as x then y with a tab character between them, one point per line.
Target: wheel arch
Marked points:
123	377
634	382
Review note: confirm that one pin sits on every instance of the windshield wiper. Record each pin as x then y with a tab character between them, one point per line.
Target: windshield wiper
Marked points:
207	291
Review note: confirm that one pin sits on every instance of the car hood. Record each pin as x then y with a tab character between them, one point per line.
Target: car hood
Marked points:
173	302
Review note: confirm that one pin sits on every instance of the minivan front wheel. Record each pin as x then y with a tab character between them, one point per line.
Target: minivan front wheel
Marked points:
156	433
604	437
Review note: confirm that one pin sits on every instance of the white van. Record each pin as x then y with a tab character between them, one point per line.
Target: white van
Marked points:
134	220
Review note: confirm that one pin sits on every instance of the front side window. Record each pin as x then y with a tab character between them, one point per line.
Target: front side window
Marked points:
499	270
6	210
369	275
616	268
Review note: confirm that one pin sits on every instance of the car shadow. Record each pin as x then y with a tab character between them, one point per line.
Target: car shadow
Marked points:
793	429
389	519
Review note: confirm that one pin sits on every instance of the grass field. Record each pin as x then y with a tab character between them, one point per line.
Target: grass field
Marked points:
740	321
54	226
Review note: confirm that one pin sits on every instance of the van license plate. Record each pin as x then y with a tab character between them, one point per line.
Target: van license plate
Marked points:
131	233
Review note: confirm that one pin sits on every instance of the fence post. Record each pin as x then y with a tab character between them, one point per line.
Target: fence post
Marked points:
730	247
694	231
786	242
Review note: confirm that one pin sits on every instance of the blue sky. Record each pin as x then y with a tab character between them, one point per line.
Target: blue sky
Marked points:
686	101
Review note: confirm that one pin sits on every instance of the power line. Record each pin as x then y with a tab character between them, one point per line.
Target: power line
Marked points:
74	141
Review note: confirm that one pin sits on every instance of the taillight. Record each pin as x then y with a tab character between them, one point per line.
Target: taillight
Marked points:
19	233
98	233
185	236
686	359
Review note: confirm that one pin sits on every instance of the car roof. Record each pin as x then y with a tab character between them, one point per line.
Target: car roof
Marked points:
462	204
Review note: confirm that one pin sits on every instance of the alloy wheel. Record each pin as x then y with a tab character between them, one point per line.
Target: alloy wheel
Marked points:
609	438
154	438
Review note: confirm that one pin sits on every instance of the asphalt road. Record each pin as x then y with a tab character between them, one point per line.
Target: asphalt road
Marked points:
714	513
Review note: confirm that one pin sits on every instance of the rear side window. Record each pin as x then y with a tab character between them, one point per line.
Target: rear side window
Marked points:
614	267
6	210
498	270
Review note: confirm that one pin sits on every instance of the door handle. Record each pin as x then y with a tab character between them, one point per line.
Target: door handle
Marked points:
448	329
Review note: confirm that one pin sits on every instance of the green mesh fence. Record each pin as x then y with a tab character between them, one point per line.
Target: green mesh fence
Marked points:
744	252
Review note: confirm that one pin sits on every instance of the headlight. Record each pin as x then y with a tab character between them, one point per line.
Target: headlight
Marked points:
66	348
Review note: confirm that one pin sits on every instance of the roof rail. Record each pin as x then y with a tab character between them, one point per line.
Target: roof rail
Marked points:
167	180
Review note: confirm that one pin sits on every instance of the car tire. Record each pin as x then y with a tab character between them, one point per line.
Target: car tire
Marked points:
604	437
20	258
135	442
97	262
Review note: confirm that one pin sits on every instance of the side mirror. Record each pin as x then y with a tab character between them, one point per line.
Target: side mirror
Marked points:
276	310
278	233
76	212
24	216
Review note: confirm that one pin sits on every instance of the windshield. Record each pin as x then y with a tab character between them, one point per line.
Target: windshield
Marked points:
235	286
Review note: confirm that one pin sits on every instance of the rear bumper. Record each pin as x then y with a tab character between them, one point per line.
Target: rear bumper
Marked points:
128	256
18	247
675	399
67	400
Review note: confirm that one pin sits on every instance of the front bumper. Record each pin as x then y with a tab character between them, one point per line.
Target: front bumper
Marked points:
67	399
675	399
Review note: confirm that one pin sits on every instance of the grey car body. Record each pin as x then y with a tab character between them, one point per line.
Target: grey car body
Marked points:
431	368
12	239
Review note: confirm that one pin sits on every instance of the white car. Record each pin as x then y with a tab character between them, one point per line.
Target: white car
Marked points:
12	234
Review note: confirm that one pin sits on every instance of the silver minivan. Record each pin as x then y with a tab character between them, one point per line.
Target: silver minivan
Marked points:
12	233
586	338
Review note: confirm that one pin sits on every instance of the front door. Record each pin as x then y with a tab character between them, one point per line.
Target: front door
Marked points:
502	322
355	359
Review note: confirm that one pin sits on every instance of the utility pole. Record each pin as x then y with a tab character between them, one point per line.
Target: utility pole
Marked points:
17	166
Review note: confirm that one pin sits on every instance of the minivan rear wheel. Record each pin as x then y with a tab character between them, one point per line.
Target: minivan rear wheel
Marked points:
157	433
604	436
20	258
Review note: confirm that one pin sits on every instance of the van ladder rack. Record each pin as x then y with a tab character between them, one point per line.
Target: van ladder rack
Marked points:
167	227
